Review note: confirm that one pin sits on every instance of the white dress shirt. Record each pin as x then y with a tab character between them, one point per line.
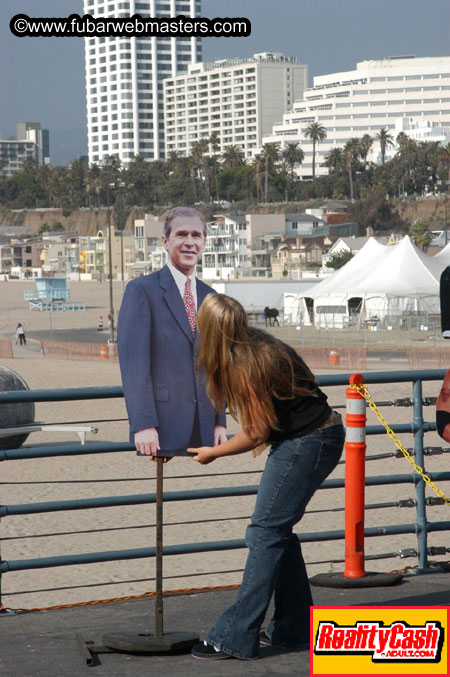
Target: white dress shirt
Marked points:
180	280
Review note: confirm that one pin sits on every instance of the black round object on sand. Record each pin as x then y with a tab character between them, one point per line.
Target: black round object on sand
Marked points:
14	414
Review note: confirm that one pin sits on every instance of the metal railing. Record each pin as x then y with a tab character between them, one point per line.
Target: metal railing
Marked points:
418	427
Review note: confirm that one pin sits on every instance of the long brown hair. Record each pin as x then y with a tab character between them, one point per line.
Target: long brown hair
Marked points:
243	364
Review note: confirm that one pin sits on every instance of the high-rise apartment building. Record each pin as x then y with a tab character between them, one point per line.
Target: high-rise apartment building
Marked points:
378	94
32	131
124	76
237	99
32	142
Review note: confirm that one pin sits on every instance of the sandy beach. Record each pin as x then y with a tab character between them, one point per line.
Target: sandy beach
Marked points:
30	481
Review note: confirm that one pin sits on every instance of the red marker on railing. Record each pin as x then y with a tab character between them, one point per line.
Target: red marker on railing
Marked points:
355	457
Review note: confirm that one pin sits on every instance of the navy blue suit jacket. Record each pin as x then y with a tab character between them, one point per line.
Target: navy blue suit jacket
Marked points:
158	363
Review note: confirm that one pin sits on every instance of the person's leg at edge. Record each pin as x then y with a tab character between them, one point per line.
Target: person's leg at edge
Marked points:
288	482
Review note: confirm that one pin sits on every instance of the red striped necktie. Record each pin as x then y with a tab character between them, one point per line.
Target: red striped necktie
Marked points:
190	305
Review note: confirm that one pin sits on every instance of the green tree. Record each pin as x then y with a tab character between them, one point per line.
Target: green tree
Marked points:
376	212
444	159
317	133
76	181
339	259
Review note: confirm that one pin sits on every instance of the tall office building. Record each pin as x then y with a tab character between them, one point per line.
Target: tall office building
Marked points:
398	94
124	91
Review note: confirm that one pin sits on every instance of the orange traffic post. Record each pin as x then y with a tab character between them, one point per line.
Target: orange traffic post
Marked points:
355	458
355	575
333	358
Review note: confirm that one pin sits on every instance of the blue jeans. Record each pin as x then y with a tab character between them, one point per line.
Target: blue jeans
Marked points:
275	566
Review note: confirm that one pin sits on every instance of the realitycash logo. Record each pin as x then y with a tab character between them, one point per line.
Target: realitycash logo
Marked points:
398	642
381	640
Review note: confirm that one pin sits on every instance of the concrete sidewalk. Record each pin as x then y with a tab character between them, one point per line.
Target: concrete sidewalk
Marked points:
43	643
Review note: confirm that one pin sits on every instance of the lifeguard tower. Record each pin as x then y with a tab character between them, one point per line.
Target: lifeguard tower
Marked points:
52	294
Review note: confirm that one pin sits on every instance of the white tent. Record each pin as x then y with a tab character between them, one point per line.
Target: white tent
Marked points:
381	283
444	255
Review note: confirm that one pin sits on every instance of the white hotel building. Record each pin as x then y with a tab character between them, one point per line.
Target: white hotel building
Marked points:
124	79
365	100
238	99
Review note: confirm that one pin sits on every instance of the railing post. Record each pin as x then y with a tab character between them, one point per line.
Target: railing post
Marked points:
355	457
421	514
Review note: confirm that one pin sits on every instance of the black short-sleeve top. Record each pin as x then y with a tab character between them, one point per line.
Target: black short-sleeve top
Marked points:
301	414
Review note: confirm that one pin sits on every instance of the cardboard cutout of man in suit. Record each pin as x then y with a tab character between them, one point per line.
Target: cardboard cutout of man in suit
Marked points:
167	406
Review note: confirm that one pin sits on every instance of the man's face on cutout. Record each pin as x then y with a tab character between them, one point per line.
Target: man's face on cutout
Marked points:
185	243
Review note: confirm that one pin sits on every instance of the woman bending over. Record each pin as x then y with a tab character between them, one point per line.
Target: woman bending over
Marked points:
275	396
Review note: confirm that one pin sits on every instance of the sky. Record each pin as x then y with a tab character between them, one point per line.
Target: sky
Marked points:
42	79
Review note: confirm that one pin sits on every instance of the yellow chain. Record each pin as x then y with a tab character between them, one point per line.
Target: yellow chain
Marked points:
362	390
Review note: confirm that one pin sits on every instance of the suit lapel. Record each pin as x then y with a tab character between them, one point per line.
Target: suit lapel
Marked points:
202	291
174	301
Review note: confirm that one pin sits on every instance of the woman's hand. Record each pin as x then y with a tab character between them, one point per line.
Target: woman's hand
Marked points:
203	455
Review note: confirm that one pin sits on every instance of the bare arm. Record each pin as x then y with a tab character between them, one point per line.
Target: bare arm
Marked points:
238	444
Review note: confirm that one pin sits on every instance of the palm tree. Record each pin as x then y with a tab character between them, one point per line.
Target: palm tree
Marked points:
58	186
386	141
316	132
334	159
365	143
293	155
258	165
178	164
445	158
421	234
270	154
44	179
214	141
351	153
198	152
233	156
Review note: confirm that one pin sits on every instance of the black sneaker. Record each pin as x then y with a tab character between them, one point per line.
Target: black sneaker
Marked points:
202	650
265	640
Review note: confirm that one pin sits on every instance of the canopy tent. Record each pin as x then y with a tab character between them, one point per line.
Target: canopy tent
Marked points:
255	295
381	284
444	255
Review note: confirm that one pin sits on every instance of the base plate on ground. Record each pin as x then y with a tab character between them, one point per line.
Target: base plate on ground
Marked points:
147	642
372	579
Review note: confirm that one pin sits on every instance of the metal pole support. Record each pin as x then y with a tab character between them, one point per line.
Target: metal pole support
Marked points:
145	642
